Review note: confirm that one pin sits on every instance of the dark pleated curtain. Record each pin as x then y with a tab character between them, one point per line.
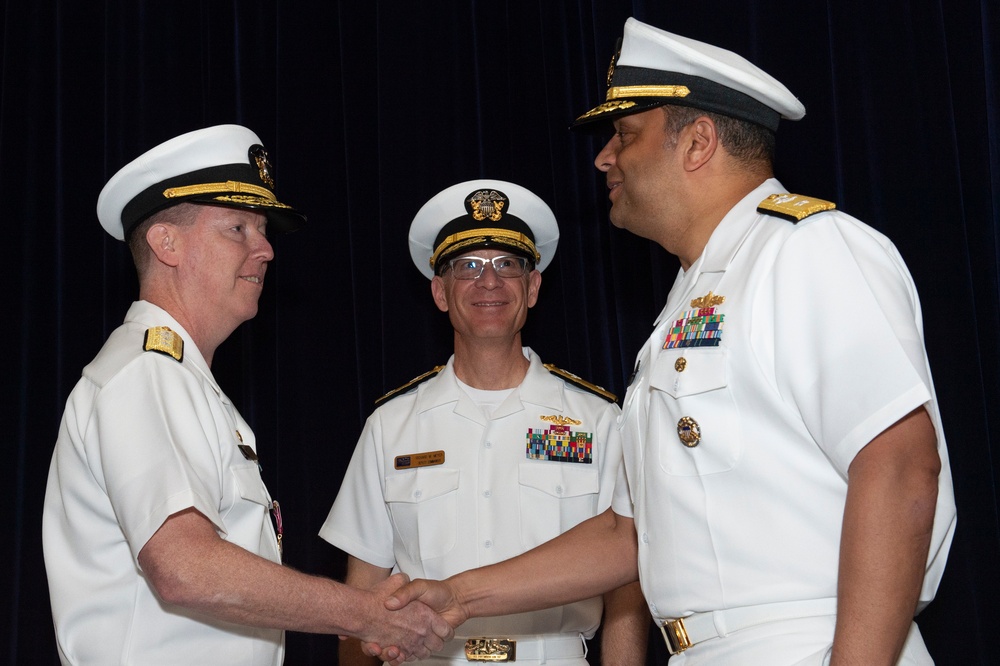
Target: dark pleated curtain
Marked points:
368	109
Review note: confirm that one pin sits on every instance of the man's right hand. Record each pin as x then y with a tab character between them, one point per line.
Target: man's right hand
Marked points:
433	594
437	594
413	630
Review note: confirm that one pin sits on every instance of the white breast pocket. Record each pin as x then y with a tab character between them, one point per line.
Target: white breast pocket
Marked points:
694	425
423	504
247	522
555	497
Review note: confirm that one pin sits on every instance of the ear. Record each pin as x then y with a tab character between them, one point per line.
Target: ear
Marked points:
162	240
534	284
438	292
701	140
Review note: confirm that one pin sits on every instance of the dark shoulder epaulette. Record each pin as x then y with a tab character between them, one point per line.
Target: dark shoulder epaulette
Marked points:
582	383
416	381
163	340
793	207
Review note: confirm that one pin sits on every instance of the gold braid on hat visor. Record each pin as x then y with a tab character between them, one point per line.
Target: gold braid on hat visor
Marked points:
474	237
618	97
619	92
218	188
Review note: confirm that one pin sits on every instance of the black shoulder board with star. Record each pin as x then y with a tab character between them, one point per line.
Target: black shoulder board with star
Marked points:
163	340
416	381
577	381
793	207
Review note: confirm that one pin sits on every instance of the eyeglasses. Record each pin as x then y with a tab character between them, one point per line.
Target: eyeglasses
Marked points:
471	268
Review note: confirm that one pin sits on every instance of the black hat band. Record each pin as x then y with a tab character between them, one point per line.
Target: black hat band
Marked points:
484	237
225	185
638	88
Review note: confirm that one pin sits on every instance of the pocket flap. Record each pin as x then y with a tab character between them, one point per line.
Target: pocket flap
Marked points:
420	485
251	485
559	479
681	372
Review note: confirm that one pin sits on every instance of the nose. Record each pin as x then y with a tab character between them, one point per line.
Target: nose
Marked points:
606	158
262	246
489	279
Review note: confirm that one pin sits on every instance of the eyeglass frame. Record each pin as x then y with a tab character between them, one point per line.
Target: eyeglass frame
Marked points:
524	262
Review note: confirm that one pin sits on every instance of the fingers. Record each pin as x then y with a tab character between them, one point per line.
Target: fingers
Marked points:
441	627
405	594
401	577
413	632
436	595
391	655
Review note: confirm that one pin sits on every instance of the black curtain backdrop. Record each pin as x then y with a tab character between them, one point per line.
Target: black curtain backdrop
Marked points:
370	107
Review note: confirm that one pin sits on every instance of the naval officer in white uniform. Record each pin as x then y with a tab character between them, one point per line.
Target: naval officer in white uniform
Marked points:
790	498
157	528
493	453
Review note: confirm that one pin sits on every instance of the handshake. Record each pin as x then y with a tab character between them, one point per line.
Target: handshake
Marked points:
416	619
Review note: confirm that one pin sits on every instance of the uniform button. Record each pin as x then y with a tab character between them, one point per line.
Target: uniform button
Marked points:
488	494
488	544
559	490
489	444
645	537
418	494
680	364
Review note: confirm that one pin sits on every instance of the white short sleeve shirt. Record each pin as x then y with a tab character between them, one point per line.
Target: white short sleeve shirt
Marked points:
781	352
488	499
144	436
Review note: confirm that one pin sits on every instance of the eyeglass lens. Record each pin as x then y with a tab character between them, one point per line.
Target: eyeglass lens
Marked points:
470	268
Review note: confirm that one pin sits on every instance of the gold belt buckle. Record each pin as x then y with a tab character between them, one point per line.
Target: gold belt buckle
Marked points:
490	649
675	635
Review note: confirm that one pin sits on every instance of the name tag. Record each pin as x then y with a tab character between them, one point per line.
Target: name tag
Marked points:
414	460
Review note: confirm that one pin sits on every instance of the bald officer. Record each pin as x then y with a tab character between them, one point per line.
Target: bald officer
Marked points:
158	539
782	441
494	452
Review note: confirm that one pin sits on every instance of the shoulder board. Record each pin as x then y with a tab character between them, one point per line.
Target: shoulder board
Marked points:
793	207
577	381
410	384
163	340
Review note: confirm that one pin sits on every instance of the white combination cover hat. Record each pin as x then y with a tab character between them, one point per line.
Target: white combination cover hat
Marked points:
225	165
654	67
483	214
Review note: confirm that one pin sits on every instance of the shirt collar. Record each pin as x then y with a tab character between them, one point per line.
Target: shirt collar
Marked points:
147	315
723	244
539	387
734	228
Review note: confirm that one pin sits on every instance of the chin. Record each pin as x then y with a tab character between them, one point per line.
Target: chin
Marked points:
249	313
616	220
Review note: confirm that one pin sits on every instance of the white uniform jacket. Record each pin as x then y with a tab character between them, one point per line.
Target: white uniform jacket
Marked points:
488	500
143	437
816	348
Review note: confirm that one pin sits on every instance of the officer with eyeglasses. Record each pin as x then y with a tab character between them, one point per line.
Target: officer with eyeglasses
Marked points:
493	453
